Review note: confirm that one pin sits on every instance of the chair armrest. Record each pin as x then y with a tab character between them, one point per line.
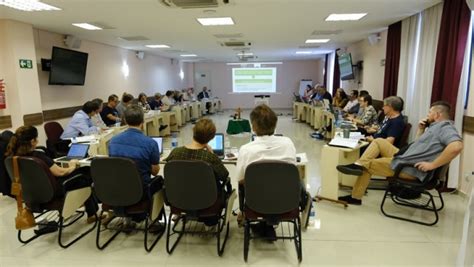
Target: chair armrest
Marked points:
68	184
400	167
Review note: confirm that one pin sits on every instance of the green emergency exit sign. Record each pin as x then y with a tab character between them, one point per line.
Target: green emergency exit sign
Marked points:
26	64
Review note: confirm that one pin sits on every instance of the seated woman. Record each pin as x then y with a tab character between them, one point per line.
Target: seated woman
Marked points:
24	143
198	149
368	115
340	100
143	101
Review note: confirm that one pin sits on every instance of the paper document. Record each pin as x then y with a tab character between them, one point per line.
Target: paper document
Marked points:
356	135
84	139
344	142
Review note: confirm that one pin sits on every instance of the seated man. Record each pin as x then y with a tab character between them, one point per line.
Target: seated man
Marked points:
109	113
167	101
122	106
97	119
204	96
81	123
352	106
266	146
133	144
436	146
203	132
155	104
393	124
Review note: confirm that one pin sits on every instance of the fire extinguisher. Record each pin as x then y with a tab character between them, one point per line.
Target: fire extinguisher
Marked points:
3	101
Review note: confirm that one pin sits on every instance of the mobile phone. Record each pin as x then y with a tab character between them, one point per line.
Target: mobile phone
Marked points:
426	122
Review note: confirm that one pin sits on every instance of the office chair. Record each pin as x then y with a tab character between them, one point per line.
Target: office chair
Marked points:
193	196
39	189
272	195
409	193
119	186
56	146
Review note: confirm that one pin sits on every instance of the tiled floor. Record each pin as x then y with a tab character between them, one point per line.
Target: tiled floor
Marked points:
358	235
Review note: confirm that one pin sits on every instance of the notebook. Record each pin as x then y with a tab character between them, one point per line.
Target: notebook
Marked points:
159	141
76	151
217	145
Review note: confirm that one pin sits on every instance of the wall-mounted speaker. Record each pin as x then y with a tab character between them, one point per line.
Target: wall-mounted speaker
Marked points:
45	64
374	38
72	41
140	55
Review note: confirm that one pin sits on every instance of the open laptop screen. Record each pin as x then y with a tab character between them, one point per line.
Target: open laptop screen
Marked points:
159	141
78	151
217	144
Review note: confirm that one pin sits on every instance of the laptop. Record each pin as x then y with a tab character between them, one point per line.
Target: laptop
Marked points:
217	145
159	141
76	151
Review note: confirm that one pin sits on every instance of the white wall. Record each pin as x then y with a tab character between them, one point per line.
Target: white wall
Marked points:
104	73
289	75
372	75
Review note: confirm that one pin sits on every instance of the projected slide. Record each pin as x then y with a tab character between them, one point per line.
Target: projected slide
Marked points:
254	80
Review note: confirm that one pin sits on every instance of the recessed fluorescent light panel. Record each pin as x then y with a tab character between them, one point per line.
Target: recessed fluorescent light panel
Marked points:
245	54
303	52
158	46
189	55
317	41
345	17
215	21
27	5
87	26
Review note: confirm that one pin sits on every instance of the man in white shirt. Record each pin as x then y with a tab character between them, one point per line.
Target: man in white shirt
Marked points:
266	146
167	101
353	102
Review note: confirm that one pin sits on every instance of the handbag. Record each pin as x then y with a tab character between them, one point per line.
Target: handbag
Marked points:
24	217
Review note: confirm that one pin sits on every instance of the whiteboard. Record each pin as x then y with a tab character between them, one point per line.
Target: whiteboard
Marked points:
303	84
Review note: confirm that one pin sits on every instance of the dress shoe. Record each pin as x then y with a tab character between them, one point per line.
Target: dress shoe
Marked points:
351	169
350	200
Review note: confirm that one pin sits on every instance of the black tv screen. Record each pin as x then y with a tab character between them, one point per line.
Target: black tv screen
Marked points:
345	67
68	67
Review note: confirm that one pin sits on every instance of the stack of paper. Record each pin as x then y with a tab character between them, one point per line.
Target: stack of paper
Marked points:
344	142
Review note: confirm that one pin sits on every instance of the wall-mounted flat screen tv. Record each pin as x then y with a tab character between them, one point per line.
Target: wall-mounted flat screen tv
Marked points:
68	67
345	67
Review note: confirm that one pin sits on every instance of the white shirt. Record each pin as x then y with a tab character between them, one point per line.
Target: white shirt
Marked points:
350	104
265	148
167	103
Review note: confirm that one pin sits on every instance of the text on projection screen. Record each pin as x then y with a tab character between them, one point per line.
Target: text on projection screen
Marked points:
254	80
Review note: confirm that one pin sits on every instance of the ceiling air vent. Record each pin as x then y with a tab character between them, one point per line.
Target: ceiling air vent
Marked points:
228	35
194	3
235	44
326	32
134	38
309	46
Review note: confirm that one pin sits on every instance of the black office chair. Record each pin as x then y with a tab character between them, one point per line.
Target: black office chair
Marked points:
193	195
119	186
5	181
409	193
272	195
54	144
40	194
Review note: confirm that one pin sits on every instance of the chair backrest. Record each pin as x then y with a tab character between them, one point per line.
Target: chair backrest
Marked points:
435	177
405	135
5	183
37	182
190	185
117	181
53	131
272	187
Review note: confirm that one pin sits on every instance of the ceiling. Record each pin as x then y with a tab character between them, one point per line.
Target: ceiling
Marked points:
275	28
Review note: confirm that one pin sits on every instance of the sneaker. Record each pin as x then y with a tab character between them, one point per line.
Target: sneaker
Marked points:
49	227
351	169
110	216
350	200
93	219
127	226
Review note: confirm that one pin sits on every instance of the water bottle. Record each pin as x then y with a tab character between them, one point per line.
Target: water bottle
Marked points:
312	219
174	142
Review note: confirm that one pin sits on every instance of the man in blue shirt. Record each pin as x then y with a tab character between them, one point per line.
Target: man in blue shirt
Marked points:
81	123
393	125
133	144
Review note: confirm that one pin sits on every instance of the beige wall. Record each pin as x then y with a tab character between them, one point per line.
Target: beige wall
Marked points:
289	75
467	156
27	90
104	73
371	78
